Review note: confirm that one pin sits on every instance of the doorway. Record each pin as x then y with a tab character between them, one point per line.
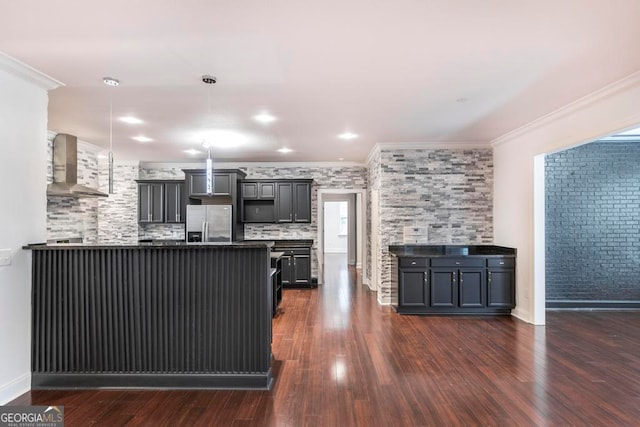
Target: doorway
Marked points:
336	229
341	222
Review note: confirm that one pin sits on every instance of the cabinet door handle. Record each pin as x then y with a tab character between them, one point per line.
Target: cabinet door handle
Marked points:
453	277
290	216
489	277
460	277
426	277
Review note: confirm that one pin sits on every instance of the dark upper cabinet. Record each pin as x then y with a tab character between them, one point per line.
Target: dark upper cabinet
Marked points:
196	183
257	190
293	201
258	201
302	202
161	201
284	202
175	202
150	202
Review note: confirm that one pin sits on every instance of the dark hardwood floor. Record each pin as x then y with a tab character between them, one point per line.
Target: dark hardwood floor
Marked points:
343	360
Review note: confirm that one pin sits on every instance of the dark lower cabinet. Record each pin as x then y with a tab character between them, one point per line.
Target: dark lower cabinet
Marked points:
415	291
295	268
457	285
501	290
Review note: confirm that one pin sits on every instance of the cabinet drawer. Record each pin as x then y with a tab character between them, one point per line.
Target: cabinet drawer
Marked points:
501	262
292	251
413	262
458	262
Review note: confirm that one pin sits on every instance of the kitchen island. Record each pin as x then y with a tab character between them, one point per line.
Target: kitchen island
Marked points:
152	316
453	279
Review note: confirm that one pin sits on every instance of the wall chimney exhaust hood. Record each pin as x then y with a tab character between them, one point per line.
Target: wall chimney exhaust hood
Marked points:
65	170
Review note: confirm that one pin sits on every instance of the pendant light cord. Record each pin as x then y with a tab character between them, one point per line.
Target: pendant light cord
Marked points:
111	191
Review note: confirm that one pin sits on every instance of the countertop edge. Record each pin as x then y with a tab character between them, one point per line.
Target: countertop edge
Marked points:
433	251
235	245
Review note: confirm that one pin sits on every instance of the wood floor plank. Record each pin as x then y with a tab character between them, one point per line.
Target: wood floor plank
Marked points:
341	359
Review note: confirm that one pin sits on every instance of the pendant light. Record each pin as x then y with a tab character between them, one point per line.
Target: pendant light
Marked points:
209	80
110	81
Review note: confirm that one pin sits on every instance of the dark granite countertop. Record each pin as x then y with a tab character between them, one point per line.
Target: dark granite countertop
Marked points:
151	245
291	243
450	250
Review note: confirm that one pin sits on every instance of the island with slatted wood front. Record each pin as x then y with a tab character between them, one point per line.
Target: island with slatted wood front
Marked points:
152	316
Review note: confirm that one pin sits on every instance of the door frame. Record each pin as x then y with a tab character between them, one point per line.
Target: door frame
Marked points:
361	219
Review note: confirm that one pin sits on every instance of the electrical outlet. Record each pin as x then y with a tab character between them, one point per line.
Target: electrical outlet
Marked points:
5	257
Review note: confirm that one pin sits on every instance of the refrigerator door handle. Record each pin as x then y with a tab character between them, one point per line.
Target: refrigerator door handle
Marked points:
204	230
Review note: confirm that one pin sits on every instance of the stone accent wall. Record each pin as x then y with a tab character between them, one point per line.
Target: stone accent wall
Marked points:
592	224
118	214
448	191
339	178
68	216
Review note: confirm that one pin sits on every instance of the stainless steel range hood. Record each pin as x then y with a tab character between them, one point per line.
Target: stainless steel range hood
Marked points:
65	170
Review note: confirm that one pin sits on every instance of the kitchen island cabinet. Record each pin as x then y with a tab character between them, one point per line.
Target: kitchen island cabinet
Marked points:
448	279
159	316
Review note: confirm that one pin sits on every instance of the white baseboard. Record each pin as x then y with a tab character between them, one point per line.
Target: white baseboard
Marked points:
15	388
335	251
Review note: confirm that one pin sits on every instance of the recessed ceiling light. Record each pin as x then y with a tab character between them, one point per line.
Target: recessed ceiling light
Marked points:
141	138
265	118
131	120
110	81
347	135
284	150
192	151
341	158
217	138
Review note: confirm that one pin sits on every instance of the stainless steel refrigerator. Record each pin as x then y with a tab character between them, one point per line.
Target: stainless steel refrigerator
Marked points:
209	223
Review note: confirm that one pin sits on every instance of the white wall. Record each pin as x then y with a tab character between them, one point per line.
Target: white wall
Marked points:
23	207
606	111
334	242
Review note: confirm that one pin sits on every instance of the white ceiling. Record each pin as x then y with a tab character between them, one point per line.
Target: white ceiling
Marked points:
399	71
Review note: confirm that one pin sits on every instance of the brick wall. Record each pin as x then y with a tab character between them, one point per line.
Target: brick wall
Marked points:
593	222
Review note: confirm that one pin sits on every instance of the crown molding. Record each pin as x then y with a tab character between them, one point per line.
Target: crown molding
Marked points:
27	73
573	107
238	165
